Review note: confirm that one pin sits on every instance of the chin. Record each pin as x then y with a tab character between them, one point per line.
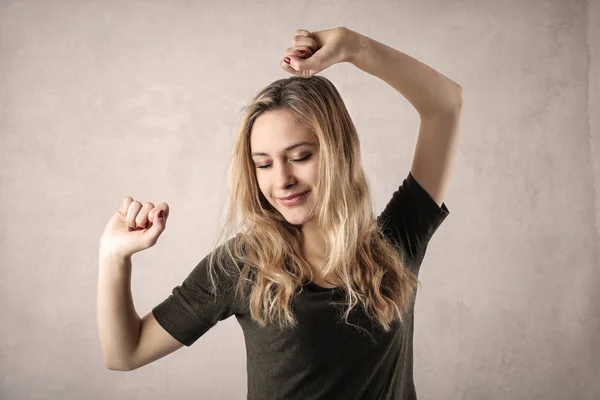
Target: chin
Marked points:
296	219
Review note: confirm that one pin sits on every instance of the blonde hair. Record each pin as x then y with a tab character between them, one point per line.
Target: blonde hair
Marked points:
266	248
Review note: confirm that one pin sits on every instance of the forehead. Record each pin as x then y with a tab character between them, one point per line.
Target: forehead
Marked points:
273	131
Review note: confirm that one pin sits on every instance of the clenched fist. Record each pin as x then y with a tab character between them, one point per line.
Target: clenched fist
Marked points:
134	227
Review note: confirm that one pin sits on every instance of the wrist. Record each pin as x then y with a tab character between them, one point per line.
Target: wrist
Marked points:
107	254
355	43
114	268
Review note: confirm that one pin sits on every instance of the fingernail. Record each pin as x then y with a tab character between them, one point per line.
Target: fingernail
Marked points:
130	229
287	60
301	51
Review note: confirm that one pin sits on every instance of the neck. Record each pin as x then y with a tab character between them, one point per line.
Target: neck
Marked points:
313	244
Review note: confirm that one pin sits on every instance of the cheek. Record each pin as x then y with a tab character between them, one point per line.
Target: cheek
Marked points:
263	186
314	171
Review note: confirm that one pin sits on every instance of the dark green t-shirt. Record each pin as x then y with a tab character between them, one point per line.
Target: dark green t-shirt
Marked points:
323	357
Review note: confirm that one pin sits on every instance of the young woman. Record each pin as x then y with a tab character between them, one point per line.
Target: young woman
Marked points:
323	290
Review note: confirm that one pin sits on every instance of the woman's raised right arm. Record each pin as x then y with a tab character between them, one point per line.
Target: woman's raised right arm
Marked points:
127	341
118	322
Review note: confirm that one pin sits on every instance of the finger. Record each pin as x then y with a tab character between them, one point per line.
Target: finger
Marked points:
164	207
125	205
303	32
303	41
288	67
141	221
298	69
301	51
132	212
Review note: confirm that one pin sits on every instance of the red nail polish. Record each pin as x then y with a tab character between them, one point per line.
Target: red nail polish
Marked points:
287	60
301	51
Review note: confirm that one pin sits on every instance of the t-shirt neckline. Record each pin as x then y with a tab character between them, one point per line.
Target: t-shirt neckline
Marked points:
318	288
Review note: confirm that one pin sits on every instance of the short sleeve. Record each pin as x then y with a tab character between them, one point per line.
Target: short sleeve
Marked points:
194	307
410	219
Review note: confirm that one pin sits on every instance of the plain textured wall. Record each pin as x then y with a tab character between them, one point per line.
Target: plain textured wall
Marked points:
105	99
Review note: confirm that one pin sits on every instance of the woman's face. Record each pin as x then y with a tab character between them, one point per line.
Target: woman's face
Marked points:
286	159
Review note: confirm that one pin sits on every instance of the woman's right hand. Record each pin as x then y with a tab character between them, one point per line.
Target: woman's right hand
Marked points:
133	228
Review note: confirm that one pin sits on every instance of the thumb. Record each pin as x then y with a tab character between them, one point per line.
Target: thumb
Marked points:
324	58
305	67
159	221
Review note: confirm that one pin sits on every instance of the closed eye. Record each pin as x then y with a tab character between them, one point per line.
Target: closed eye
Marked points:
297	160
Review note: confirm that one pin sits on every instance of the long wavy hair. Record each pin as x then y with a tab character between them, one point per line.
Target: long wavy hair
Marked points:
266	249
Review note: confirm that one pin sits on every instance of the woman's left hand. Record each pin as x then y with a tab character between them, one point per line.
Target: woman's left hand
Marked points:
322	49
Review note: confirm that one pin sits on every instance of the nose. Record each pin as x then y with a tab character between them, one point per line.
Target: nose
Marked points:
285	176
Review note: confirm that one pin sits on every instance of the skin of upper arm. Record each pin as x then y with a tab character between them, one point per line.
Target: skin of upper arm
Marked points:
155	342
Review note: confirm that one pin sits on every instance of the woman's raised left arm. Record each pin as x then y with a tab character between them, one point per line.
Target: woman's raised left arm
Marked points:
437	99
426	89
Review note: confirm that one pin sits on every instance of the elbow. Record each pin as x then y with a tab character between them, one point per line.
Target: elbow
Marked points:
116	366
455	98
448	104
459	98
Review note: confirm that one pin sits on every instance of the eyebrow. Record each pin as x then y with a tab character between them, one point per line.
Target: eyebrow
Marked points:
289	148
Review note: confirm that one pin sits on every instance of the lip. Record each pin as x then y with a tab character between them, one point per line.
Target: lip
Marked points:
293	200
293	195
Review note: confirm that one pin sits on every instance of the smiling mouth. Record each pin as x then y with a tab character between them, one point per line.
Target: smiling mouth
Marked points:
294	200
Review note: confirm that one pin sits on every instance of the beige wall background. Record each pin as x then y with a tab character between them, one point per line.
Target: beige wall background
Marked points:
105	99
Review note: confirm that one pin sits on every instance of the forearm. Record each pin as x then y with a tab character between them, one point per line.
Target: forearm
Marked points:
118	322
427	90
